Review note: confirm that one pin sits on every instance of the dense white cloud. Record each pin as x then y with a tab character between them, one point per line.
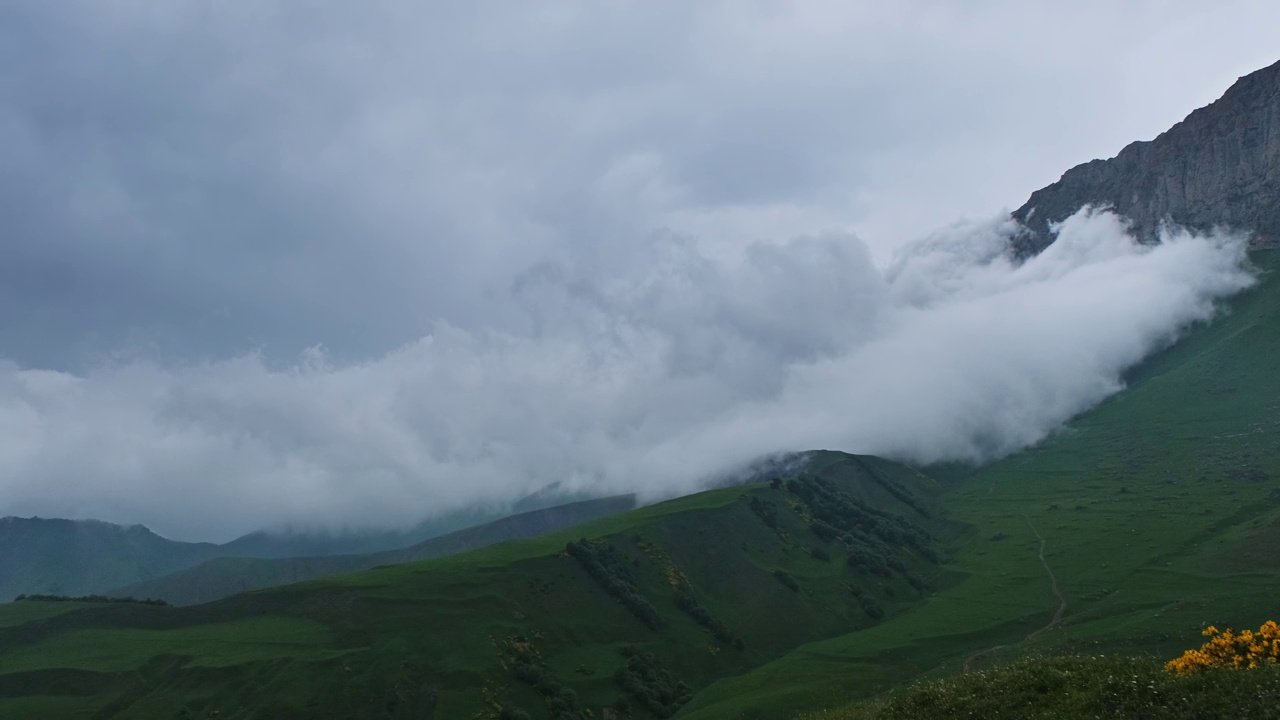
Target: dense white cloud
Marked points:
609	243
693	360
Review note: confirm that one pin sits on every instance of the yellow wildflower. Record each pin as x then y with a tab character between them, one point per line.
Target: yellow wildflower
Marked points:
1229	649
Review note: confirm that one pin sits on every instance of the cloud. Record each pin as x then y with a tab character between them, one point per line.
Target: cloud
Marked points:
621	244
208	179
692	359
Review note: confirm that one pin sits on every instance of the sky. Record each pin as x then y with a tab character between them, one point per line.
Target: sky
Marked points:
349	264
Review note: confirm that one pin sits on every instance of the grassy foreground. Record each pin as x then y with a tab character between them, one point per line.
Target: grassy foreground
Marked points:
1079	687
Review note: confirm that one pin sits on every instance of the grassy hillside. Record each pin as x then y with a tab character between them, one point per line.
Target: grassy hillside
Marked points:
42	556
1159	513
221	577
637	610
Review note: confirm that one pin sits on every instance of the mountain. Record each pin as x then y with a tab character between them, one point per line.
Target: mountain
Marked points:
1218	167
292	543
220	577
80	557
634	611
840	578
43	556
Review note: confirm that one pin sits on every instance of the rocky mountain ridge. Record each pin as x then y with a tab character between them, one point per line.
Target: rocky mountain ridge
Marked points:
1220	167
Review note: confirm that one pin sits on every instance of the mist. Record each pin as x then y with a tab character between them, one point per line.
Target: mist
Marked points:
329	265
653	375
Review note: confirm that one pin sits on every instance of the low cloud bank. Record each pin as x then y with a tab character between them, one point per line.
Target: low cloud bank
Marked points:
649	376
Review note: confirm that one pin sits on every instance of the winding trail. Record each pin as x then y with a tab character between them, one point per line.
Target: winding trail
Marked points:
1053	581
1054	622
969	661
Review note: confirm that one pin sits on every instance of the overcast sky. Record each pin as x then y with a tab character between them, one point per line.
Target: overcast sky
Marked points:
334	262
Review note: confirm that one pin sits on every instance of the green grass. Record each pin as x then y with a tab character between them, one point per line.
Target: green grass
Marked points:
20	613
63	707
1079	687
217	644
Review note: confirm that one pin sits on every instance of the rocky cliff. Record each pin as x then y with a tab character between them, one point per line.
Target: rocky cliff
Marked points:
1218	167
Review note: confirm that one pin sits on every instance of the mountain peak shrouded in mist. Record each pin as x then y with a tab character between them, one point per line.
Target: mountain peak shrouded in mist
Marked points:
1220	167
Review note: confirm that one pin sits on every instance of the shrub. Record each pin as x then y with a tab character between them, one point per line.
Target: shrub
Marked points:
644	680
688	602
601	562
1229	649
91	599
767	513
518	654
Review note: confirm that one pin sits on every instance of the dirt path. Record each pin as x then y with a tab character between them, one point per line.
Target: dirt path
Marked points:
969	661
1053	581
1054	622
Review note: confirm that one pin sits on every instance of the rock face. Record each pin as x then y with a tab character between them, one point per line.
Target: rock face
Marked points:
1218	167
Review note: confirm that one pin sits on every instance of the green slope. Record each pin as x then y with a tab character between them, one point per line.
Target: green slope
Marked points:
1160	512
732	578
221	577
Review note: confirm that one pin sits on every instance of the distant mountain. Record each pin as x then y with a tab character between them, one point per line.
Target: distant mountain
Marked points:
1218	167
220	577
287	543
550	496
80	557
311	543
45	556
